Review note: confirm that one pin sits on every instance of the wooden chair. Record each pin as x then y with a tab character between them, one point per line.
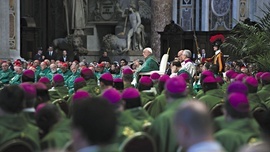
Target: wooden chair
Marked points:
17	145
62	104
147	105
66	97
139	142
258	114
68	147
217	110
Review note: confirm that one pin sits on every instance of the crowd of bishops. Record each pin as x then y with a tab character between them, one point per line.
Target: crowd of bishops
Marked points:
98	105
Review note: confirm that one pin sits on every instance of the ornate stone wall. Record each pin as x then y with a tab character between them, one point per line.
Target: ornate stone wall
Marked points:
243	10
4	29
12	24
161	16
220	15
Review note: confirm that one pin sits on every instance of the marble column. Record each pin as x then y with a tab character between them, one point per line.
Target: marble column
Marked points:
205	15
161	16
15	49
4	29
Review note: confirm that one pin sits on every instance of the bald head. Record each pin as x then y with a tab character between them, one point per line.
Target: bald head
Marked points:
179	54
195	116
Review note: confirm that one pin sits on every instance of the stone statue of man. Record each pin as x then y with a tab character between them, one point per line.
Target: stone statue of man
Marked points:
78	16
136	30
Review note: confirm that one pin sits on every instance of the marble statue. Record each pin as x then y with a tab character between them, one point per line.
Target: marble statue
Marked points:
78	16
114	44
130	33
135	35
70	43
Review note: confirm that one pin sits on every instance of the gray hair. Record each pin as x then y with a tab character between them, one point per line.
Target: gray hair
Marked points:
81	63
187	53
195	115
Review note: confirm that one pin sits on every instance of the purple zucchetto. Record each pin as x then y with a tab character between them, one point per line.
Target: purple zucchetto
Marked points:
250	80
237	87
107	77
87	72
40	86
185	75
209	79
112	95
258	75
58	78
240	77
229	73
79	79
29	89
176	85
219	80
117	80
130	93
207	73
146	81
164	78
40	106
155	76
44	80
265	77
29	73
234	75
80	94
127	71
238	102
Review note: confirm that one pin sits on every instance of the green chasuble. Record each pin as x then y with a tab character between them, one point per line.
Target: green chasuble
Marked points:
58	136
128	86
267	103
50	75
16	79
238	133
147	96
6	76
92	88
58	92
44	73
162	130
150	64
212	97
29	117
224	87
255	101
156	87
141	115
66	74
199	94
127	126
264	93
158	105
70	81
15	126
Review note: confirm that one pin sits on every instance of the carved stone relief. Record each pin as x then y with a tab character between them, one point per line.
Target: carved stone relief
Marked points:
220	15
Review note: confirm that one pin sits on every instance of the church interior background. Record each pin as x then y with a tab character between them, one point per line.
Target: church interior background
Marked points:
26	25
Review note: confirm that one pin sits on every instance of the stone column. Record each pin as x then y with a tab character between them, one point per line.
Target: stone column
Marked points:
161	16
4	29
205	15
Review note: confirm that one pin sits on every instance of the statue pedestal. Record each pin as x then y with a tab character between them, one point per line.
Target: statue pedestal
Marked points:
92	38
129	56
